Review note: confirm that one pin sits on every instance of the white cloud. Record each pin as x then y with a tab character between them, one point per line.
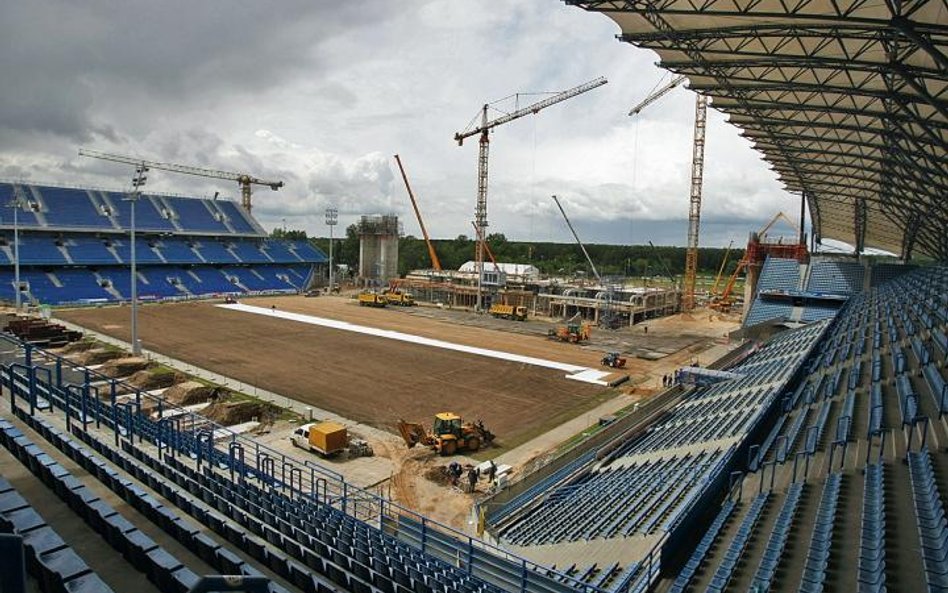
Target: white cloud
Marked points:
323	98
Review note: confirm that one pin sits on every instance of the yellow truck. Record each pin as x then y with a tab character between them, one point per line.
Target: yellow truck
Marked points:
515	312
400	299
325	438
372	299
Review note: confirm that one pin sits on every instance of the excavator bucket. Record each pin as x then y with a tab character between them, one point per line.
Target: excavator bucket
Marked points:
412	433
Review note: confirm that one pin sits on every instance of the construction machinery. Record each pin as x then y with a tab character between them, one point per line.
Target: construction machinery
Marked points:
574	331
697	179
759	246
449	434
514	312
399	298
575	236
607	318
435	262
244	180
480	211
613	360
372	299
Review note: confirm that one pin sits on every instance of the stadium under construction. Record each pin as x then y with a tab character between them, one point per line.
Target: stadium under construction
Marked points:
786	433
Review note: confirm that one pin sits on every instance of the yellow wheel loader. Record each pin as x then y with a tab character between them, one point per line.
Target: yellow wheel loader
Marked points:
449	435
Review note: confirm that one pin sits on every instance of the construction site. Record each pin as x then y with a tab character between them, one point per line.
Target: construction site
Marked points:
194	402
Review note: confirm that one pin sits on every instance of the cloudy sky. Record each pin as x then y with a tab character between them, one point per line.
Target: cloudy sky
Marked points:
322	95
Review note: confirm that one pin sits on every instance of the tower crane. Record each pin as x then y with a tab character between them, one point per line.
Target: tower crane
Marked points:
697	177
431	250
480	211
243	179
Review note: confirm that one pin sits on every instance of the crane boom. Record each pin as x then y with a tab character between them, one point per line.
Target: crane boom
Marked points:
480	210
575	236
697	180
530	109
717	280
411	195
658	94
243	179
661	262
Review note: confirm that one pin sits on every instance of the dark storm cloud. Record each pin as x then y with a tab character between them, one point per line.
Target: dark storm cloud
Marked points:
59	59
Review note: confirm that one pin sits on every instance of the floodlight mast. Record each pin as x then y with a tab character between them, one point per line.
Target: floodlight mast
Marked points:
243	179
480	211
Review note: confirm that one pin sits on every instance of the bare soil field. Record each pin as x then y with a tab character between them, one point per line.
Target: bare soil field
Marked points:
367	379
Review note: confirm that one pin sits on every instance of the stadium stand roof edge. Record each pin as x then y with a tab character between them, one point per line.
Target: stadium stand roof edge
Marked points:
846	99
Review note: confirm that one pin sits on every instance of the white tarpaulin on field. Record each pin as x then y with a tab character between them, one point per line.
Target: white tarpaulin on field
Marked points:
575	372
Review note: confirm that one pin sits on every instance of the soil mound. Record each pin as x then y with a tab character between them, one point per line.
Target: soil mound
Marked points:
97	356
148	380
80	346
123	367
439	475
191	392
235	412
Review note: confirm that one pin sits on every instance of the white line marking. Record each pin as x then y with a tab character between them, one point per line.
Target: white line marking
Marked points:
575	372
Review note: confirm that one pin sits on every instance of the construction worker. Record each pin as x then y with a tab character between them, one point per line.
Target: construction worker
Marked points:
472	478
491	472
454	470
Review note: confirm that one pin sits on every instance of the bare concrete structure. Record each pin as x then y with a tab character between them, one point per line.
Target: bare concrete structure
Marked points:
378	248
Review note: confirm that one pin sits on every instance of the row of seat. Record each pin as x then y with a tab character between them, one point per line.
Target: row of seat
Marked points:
725	571
817	558
871	574
72	574
189	536
49	559
113	283
930	519
296	530
778	539
76	208
609	502
697	557
835	276
51	249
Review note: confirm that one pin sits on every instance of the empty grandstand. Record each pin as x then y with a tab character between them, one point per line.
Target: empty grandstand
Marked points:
74	248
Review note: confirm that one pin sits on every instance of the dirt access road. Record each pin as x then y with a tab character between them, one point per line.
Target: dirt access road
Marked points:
368	379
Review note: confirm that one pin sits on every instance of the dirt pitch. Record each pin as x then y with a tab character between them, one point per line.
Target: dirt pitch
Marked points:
367	379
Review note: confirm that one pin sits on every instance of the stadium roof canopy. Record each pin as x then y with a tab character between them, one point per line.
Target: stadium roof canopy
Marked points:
846	99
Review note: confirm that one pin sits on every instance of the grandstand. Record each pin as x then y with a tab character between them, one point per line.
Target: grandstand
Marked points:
776	462
74	248
811	458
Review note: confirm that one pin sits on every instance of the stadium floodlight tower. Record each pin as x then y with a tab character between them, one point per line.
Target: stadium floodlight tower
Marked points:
137	182
332	219
17	203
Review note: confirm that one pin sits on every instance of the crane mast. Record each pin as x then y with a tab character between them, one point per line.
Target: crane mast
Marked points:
694	202
243	179
435	262
697	180
480	210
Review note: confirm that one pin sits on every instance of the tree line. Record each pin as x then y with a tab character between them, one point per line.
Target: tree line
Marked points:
562	259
